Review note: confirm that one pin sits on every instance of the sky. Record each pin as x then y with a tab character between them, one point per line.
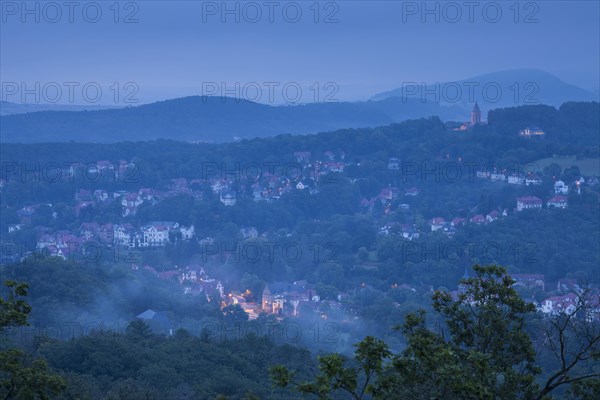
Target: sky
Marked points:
143	51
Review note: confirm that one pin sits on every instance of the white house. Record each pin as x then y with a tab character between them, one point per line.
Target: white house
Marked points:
409	232
131	200
155	235
533	180
125	235
560	188
14	228
516	180
528	202
100	195
393	163
436	224
187	232
559	304
219	186
228	197
531	131
492	216
497	177
558	201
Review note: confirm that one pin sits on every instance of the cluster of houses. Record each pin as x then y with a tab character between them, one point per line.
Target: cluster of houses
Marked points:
533	202
154	234
410	231
61	244
407	231
267	186
531	131
193	279
559	200
306	175
279	299
283	299
131	200
449	227
566	298
65	244
386	196
531	178
119	170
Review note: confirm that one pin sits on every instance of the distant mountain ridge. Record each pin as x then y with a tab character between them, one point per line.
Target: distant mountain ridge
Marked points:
9	108
211	119
223	119
497	89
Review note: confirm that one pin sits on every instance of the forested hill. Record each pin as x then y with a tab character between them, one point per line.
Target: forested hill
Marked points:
570	130
211	119
571	123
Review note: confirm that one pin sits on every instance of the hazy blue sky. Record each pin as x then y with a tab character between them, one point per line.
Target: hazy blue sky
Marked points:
374	46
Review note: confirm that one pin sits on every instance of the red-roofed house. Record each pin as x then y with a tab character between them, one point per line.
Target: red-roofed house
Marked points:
558	201
436	223
559	304
528	202
457	222
386	194
492	216
155	235
478	219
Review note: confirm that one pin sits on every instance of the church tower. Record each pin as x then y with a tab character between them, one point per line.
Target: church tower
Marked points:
267	300
476	115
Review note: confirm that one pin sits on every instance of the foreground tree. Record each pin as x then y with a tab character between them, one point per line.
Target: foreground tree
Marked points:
333	376
483	352
573	339
22	378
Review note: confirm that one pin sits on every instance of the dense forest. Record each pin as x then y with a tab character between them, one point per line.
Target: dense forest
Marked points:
491	332
132	363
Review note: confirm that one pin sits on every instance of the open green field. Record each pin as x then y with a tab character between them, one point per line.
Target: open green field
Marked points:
587	166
